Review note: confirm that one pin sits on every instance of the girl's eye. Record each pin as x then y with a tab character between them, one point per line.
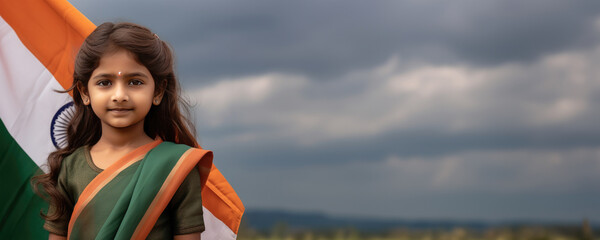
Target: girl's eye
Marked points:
135	82
103	83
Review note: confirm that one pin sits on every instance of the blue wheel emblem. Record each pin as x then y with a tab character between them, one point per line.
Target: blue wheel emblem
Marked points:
60	121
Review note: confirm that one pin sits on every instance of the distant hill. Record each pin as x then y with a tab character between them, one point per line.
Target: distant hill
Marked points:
264	220
282	224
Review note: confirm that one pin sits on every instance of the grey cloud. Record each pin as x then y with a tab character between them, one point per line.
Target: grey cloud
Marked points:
288	154
325	39
440	111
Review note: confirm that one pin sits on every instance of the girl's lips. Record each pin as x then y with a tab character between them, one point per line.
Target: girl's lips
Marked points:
120	110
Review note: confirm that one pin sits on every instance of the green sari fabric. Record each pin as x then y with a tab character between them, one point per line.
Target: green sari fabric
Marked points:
125	204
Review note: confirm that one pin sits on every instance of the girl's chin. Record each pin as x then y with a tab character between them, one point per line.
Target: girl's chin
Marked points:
122	124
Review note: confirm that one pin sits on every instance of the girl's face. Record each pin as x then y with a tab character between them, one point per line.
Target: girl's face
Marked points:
121	91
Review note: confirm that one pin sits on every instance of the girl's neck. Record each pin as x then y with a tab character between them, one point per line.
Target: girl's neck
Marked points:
123	138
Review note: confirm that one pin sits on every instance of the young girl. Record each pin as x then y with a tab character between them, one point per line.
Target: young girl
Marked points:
130	169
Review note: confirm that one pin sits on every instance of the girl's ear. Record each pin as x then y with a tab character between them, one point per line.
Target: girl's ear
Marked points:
85	97
160	92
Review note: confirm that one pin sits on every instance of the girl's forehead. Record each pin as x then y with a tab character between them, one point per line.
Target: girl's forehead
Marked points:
119	61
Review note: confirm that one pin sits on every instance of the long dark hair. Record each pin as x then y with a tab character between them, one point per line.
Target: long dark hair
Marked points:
165	120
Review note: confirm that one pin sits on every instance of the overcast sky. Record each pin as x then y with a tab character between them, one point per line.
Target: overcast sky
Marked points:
466	109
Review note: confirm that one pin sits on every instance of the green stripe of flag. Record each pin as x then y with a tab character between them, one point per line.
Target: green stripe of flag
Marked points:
19	206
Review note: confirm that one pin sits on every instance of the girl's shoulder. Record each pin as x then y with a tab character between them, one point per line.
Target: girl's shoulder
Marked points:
74	160
176	145
77	154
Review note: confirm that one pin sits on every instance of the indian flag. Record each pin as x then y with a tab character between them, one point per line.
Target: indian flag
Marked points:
38	43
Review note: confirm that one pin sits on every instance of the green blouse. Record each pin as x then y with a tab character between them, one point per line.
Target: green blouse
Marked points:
183	214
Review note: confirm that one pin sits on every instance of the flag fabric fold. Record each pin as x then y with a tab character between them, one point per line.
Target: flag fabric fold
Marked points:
38	43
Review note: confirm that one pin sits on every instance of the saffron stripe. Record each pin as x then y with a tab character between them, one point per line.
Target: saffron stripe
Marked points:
221	193
52	30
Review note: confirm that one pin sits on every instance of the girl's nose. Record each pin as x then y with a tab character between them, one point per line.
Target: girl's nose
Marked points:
120	93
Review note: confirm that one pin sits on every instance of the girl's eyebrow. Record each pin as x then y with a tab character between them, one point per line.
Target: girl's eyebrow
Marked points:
127	75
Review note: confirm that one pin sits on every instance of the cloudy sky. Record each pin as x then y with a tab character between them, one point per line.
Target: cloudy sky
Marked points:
465	110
